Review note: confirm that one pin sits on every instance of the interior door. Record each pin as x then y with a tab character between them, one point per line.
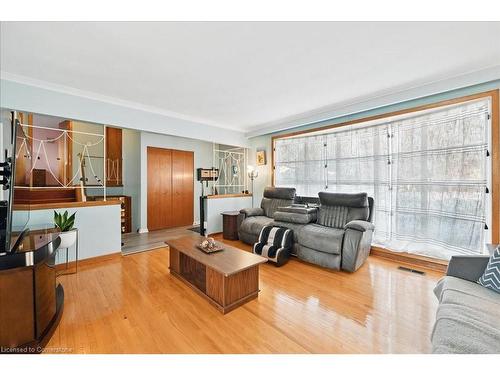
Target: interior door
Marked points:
170	188
182	187
159	188
113	157
65	154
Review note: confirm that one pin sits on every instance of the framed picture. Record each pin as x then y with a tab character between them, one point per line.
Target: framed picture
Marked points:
261	158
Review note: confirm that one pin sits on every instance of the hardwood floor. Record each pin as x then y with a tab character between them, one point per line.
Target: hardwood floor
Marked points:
133	305
138	242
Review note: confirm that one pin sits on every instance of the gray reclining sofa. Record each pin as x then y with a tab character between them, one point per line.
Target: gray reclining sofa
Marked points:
252	220
336	235
468	316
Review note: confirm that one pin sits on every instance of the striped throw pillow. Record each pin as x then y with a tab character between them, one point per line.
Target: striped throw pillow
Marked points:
491	276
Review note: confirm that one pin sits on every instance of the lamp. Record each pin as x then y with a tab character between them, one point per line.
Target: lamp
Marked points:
252	175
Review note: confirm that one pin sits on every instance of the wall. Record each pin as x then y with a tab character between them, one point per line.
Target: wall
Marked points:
70	104
131	154
264	142
261	143
99	228
131	174
95	151
52	151
203	155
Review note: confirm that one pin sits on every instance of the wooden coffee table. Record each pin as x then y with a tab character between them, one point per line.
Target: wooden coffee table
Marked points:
227	279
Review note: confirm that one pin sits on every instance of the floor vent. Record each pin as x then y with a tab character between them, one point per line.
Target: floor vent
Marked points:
411	270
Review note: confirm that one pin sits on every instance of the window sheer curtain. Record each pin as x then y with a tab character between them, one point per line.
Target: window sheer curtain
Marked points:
427	172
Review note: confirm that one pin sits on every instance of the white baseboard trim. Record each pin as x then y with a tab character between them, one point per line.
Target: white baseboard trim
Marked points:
142	230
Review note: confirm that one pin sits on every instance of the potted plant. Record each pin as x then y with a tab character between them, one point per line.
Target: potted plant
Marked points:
65	223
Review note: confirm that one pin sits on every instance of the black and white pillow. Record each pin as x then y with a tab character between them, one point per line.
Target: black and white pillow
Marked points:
491	275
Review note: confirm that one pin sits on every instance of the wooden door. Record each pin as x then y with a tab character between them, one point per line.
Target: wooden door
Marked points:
23	148
113	157
65	154
159	188
182	187
170	188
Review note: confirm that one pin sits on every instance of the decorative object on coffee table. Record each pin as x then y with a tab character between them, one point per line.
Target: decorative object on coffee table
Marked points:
230	225
226	279
209	246
275	244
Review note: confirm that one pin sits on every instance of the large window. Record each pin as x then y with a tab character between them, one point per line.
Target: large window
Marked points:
428	172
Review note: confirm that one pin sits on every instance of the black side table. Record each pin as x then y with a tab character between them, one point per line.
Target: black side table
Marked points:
230	225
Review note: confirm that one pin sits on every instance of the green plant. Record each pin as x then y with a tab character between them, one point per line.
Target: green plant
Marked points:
63	222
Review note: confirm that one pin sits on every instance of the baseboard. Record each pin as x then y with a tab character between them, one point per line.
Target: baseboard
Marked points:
411	259
142	230
87	261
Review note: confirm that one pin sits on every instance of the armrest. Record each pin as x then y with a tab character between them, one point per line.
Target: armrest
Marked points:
360	225
466	267
256	211
356	247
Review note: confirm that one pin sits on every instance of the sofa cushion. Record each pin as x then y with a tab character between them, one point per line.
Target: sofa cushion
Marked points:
279	193
491	276
321	238
254	224
338	209
357	200
295	215
270	206
468	318
333	216
295	227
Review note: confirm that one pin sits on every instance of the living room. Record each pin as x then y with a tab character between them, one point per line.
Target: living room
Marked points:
250	187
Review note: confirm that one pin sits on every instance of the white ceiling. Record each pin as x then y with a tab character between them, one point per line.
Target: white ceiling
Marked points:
240	75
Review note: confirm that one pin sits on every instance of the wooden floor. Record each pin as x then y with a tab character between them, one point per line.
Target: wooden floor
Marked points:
138	242
133	305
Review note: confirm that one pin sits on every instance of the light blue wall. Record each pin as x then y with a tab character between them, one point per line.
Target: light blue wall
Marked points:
29	98
99	228
131	147
264	142
131	154
203	157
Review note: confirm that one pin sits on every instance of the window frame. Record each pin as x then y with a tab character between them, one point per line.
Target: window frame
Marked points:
494	152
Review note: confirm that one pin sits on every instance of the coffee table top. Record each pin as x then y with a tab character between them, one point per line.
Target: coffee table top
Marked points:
229	261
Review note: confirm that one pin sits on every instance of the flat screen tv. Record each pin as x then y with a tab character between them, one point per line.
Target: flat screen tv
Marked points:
13	221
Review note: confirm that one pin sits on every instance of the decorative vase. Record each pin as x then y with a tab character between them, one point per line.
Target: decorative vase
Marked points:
68	239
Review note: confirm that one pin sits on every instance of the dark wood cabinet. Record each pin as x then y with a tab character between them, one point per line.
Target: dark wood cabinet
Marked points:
230	225
114	163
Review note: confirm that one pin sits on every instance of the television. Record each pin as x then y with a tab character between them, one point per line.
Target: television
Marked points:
13	221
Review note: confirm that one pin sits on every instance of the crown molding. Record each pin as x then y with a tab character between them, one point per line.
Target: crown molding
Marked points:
7	76
378	100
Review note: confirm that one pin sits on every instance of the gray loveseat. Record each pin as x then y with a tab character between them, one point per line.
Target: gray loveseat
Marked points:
468	316
252	220
339	236
336	235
